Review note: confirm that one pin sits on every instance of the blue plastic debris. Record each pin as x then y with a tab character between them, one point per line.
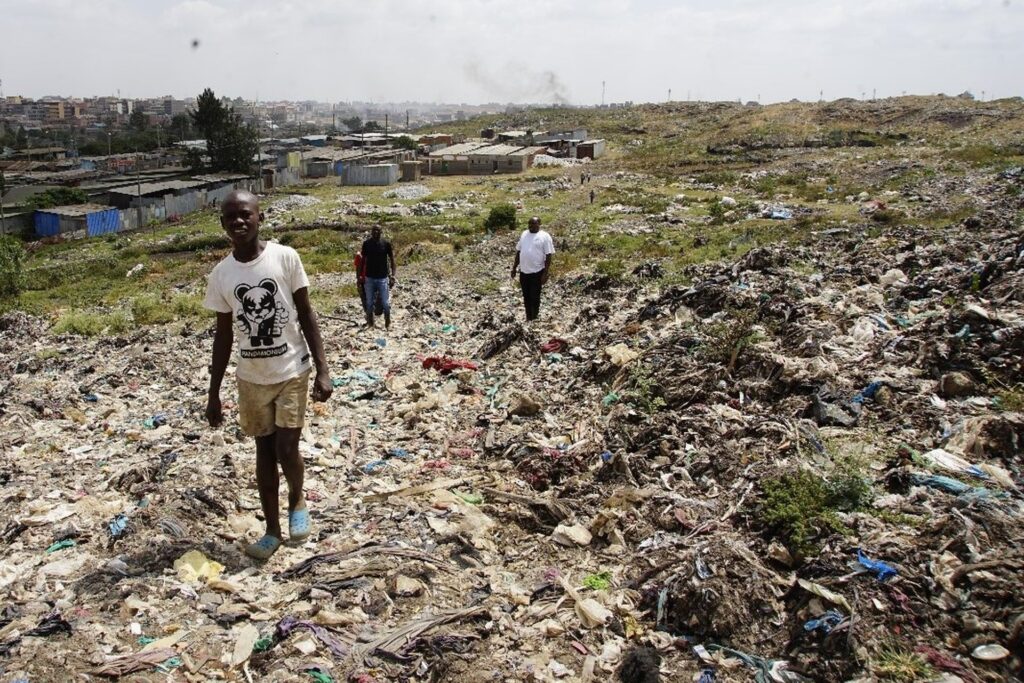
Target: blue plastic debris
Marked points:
381	342
867	393
882	570
372	467
606	456
398	452
118	526
950	485
158	420
91	398
826	623
707	676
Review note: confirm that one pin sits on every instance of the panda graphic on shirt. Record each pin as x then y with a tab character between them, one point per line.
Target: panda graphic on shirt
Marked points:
261	317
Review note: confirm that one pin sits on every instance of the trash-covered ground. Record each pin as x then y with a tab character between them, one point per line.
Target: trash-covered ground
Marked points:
799	463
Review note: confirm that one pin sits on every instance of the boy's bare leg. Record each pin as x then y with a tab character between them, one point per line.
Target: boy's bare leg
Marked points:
268	482
287	448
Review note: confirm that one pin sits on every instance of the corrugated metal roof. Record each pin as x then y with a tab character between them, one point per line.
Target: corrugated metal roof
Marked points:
527	151
76	210
495	150
459	149
167	186
219	177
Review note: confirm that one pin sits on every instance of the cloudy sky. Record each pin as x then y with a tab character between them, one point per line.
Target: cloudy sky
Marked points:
512	50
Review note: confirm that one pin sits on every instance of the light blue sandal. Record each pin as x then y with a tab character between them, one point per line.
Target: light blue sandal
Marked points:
299	526
263	548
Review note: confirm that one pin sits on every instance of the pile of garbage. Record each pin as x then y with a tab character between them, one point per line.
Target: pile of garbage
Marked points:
407	192
804	463
542	160
290	203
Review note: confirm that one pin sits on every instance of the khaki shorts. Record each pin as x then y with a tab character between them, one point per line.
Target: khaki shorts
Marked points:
263	408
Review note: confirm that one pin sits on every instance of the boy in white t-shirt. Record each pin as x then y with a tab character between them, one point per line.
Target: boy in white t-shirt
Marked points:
533	262
261	290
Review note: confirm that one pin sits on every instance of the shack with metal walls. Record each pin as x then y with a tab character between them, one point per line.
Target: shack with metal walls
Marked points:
370	174
79	220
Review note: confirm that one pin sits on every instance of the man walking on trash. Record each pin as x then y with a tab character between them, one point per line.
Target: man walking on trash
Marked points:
261	288
533	262
379	266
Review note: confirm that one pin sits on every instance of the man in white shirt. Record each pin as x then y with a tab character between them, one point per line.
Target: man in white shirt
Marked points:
533	262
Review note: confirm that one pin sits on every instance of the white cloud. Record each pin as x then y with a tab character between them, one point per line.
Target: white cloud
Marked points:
481	50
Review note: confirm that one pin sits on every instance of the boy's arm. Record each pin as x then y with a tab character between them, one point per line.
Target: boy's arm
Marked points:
223	337
515	263
394	268
322	387
547	269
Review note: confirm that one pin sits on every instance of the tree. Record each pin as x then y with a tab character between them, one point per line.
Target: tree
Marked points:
372	127
138	120
58	196
182	125
194	160
230	144
353	123
22	138
405	142
209	114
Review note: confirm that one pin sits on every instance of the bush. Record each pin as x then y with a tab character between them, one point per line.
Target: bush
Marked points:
150	309
92	324
501	216
405	142
12	279
800	507
58	196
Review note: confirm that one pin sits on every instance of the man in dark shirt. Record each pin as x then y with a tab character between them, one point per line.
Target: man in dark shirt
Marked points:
379	264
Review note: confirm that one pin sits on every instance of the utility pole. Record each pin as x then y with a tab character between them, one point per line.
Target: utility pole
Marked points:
602	93
3	218
385	125
670	94
407	119
874	93
138	187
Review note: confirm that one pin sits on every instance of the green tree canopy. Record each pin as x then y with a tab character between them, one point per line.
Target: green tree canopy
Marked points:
230	144
405	142
138	120
209	115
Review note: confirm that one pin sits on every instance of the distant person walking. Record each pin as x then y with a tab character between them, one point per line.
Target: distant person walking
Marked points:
379	267
533	263
591	196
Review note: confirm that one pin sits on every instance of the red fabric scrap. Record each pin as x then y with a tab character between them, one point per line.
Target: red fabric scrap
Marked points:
554	345
445	365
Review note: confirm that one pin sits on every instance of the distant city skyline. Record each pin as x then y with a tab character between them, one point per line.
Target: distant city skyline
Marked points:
503	51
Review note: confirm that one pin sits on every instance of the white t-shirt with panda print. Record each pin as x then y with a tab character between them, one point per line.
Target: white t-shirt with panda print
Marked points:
258	294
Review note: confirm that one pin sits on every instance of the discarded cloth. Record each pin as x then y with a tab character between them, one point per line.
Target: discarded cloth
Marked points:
50	624
554	345
290	623
826	623
120	666
446	365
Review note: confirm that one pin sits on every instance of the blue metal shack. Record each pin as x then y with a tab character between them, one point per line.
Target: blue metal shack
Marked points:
79	220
